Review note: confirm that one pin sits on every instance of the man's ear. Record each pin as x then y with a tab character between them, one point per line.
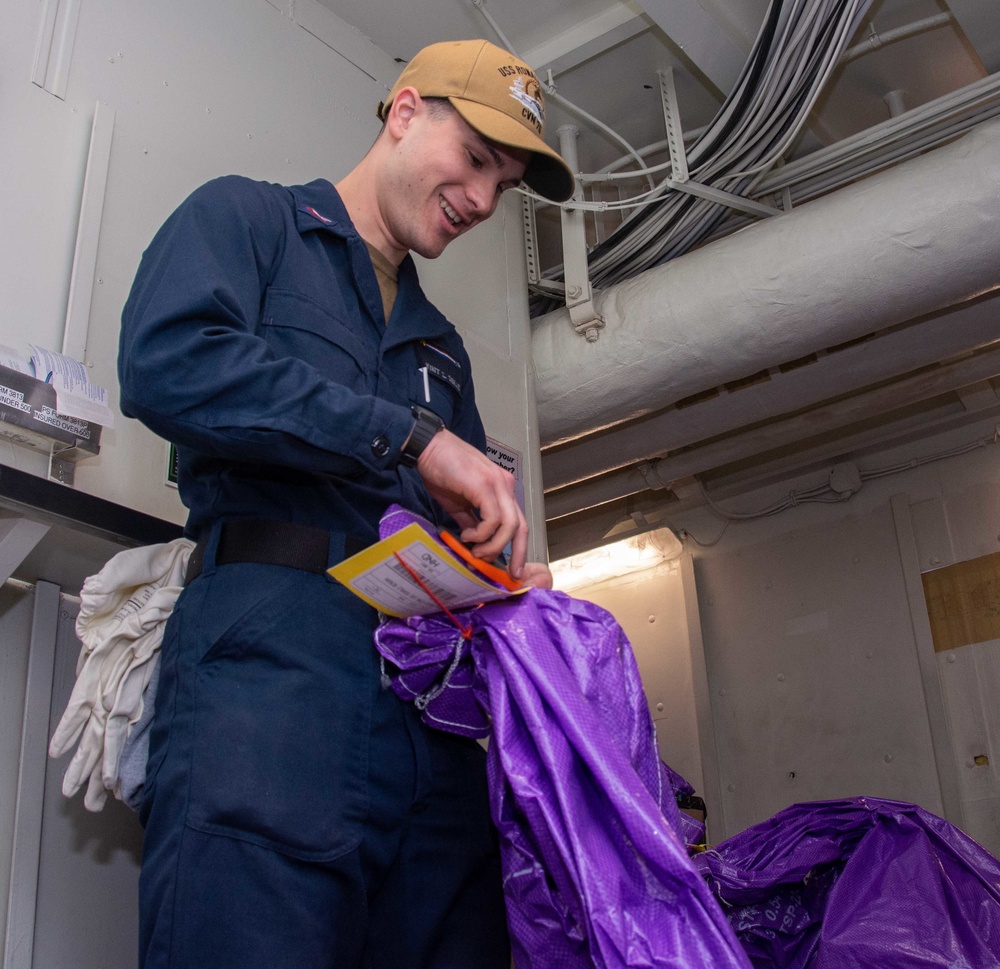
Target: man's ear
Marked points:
404	106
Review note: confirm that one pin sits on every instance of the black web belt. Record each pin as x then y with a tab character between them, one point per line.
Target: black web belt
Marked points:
268	542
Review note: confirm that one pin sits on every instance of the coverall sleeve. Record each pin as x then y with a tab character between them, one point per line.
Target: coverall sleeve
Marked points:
193	368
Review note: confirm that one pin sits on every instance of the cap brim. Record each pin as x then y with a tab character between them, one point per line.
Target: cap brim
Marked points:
547	173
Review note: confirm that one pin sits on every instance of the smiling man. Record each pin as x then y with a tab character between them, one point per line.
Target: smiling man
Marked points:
296	813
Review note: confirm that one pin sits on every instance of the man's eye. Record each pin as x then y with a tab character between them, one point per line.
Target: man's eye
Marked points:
475	161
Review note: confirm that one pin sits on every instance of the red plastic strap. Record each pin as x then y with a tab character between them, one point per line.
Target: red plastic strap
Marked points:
466	631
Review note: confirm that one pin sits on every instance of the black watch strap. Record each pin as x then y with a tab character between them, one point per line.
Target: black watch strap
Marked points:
425	425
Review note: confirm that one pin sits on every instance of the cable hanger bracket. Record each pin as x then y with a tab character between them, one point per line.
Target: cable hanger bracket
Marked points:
576	272
672	123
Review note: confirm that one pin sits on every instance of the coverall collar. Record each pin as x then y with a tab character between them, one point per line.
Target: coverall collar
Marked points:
318	207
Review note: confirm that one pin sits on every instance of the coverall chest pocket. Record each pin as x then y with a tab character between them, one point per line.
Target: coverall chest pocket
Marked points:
295	326
437	382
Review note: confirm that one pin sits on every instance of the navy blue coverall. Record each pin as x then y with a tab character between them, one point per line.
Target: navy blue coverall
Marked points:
296	813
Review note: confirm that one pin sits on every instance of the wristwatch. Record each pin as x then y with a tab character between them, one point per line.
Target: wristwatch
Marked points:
425	425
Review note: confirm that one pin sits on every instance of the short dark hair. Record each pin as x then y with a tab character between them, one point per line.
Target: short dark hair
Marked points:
439	106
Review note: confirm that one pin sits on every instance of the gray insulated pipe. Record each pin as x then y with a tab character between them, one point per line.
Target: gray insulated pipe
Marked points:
911	240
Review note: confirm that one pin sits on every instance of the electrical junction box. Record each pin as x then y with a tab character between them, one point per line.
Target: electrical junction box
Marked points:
845	479
28	417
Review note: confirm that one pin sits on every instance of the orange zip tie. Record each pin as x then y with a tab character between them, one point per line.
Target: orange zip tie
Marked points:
501	576
466	631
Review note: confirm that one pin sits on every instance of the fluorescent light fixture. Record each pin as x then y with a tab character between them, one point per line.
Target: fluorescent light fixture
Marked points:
617	559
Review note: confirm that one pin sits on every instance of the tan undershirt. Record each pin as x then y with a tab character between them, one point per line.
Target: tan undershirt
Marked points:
386	274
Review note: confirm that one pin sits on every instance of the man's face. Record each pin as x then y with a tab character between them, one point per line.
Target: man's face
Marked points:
445	178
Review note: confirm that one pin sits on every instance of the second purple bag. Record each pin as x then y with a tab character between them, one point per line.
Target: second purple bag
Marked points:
858	883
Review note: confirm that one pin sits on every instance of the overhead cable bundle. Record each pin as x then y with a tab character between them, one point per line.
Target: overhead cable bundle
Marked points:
796	51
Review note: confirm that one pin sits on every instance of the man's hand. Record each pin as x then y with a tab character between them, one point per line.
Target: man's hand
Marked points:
537	575
479	495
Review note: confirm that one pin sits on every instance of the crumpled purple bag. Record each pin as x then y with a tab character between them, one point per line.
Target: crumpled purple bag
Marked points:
592	843
859	883
596	872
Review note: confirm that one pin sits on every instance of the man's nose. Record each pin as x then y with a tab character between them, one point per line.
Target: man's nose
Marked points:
483	195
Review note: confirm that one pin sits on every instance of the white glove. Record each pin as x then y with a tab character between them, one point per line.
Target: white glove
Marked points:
123	610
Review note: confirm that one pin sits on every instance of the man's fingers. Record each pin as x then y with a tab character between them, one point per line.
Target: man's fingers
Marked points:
465	481
489	539
503	524
519	551
537	575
